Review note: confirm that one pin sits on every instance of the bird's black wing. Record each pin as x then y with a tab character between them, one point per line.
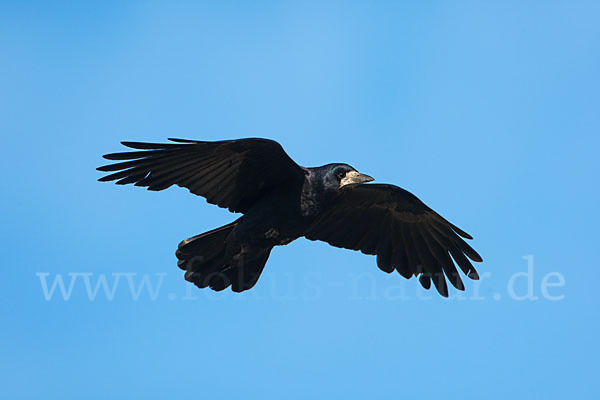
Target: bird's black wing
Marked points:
232	174
404	233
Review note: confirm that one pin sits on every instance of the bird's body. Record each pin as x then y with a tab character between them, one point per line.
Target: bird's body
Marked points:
282	201
275	219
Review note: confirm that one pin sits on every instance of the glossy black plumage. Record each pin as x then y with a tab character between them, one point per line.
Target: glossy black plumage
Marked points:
282	201
232	174
404	233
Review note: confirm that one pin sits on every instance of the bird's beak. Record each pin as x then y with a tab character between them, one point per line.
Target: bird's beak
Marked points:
354	178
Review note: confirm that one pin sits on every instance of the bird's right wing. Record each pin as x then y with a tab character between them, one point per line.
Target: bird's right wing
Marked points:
404	233
232	174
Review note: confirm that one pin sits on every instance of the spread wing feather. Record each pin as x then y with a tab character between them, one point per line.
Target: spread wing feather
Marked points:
232	174
404	233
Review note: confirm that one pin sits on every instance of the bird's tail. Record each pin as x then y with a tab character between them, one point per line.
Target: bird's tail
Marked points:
209	263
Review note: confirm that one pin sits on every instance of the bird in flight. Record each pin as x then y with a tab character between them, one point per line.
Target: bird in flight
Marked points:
282	201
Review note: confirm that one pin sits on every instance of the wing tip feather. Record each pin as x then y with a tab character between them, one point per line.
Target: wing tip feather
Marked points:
178	140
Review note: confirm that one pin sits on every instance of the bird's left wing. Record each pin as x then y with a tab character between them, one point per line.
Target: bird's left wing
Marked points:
404	233
232	173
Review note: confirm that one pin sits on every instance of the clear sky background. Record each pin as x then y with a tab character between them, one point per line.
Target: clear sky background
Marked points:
489	111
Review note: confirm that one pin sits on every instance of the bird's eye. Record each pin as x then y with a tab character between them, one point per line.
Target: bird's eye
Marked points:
340	175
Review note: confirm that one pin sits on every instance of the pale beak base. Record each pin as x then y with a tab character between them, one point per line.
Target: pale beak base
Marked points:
354	178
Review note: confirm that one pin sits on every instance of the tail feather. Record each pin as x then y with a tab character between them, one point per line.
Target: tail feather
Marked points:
208	261
242	274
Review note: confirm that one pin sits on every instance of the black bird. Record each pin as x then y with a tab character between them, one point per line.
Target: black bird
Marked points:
282	201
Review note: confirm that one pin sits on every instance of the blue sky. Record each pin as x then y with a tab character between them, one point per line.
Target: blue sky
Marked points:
488	111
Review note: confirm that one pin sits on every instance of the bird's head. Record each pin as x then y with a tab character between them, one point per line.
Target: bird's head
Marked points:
337	176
